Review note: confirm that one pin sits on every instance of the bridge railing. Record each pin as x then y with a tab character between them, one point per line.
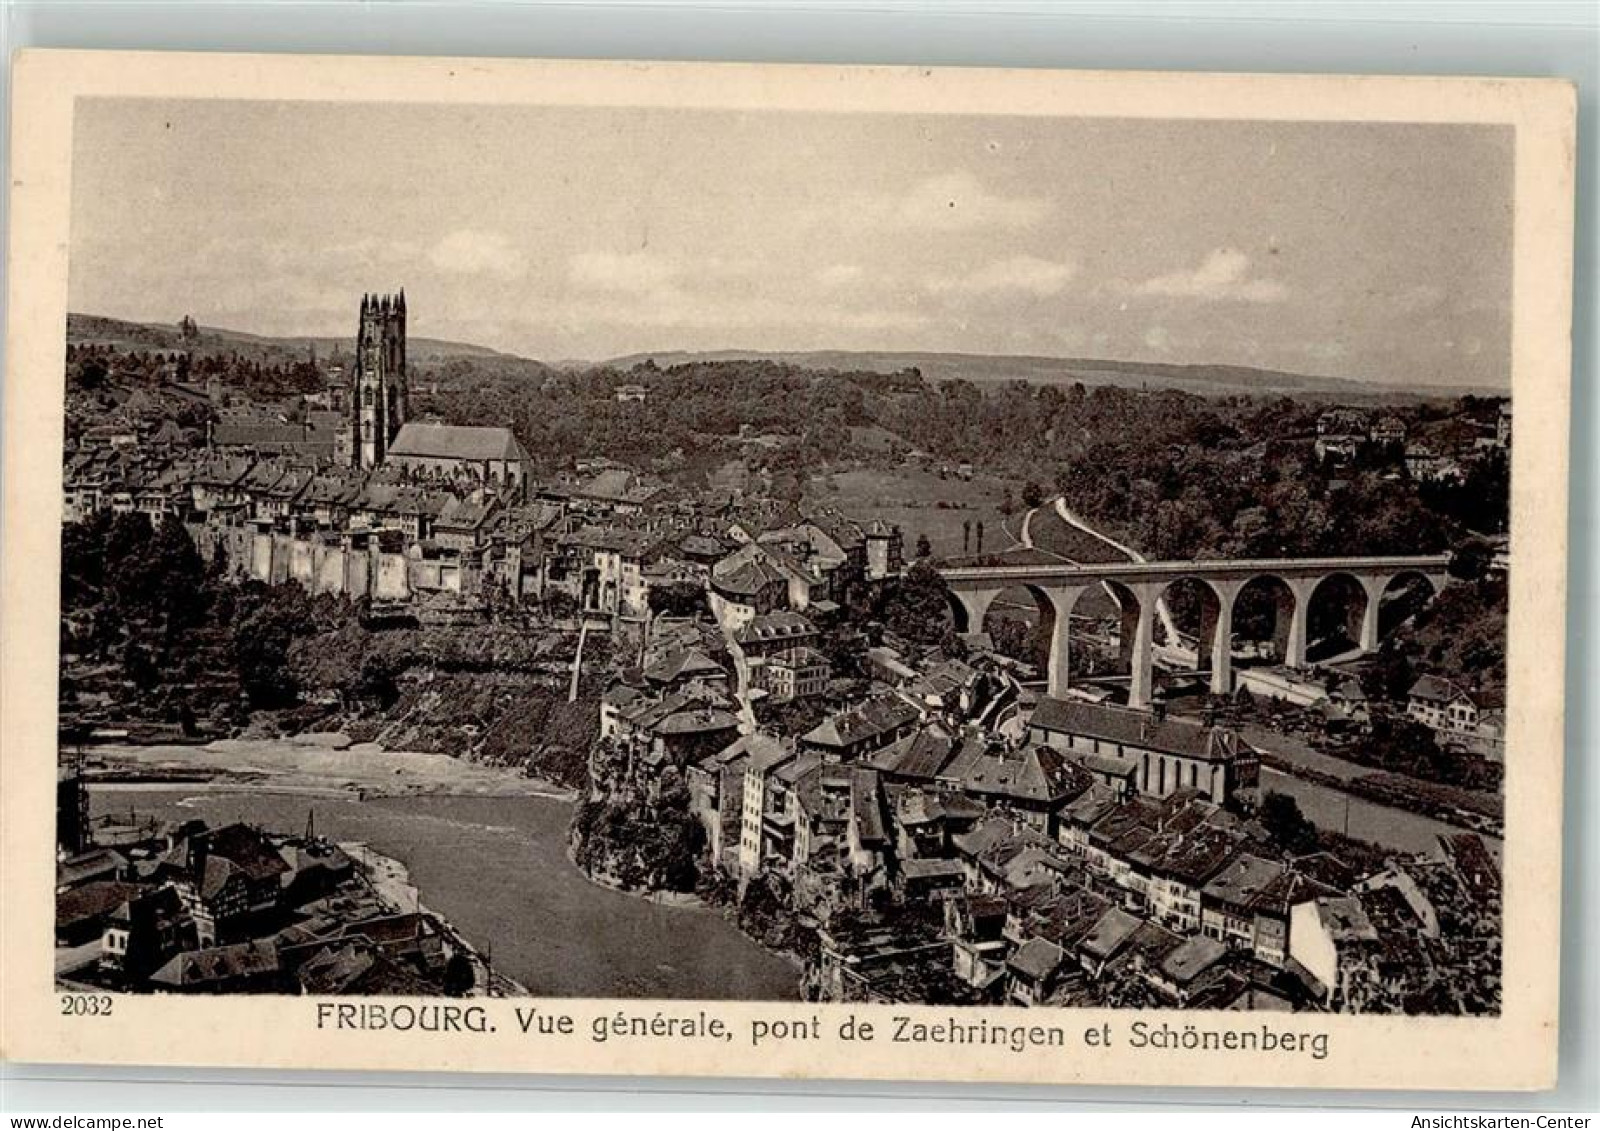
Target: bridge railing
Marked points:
1196	566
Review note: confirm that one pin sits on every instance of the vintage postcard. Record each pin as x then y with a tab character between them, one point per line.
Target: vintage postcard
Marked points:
752	570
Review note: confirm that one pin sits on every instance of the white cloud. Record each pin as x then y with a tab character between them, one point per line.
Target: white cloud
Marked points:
839	275
959	201
635	272
650	273
1023	274
1222	275
470	251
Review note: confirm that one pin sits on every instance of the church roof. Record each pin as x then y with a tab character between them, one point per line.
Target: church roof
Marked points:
455	441
1136	729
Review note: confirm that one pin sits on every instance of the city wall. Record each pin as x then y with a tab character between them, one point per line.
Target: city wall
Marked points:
324	565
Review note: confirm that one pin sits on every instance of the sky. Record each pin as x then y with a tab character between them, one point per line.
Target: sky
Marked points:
1373	251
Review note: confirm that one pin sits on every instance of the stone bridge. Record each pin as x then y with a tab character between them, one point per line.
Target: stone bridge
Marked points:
1139	586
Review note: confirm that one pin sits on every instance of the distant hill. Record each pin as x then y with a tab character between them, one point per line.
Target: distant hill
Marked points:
92	329
1214	380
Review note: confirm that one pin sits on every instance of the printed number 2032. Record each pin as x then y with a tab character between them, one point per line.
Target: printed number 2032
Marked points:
86	1005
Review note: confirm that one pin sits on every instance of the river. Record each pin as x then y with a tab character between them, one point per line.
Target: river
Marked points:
497	868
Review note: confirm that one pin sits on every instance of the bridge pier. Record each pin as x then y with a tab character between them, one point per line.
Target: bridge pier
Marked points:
975	606
1139	586
1222	637
1294	648
1137	643
1062	599
1373	587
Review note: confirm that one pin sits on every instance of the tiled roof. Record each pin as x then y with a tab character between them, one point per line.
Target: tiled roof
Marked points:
265	435
95	898
866	806
1243	881
697	721
1136	729
683	662
1037	959
1344	920
1110	933
918	868
1040	774
878	715
1434	689
778	625
921	755
984	836
1196	856
454	441
219	963
749	570
246	849
464	514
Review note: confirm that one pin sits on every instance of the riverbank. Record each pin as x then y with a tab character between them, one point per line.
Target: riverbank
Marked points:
390	881
728	911
313	765
496	868
608	882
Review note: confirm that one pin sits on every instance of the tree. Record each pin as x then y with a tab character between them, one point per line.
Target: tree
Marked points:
924	547
1390	675
560	604
1288	827
260	642
459	975
1470	560
678	599
916	605
1032	494
91	375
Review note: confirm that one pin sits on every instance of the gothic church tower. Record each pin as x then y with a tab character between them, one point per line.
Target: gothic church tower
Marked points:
379	399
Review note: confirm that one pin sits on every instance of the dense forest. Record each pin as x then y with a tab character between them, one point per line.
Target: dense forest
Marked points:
1178	475
93	368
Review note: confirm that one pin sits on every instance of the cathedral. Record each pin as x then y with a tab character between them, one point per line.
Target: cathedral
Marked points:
378	403
378	430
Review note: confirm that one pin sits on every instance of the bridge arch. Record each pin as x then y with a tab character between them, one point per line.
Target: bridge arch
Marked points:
1134	617
1341	611
1283	590
968	607
1398	596
1269	596
1200	610
1021	621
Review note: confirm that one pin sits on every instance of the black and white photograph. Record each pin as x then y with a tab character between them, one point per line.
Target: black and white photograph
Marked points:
709	555
764	553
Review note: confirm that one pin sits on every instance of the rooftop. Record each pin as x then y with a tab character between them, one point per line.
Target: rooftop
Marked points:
456	441
876	716
1137	729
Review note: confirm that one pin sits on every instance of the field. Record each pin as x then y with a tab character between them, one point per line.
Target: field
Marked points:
1050	533
920	502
